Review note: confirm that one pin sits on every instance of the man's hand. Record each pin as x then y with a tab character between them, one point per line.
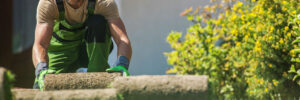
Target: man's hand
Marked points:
40	73
119	68
122	65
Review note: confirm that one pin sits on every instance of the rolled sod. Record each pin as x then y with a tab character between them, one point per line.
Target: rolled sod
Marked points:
5	84
79	80
24	94
2	91
92	94
162	87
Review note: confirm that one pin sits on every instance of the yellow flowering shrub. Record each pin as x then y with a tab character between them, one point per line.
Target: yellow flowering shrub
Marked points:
249	49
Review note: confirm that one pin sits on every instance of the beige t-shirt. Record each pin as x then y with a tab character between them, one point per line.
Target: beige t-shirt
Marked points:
47	11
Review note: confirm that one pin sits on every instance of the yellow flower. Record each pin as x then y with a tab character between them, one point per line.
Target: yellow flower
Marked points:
258	49
239	3
240	11
266	89
261	82
289	34
261	11
257	81
238	43
227	13
271	29
251	28
251	93
234	32
270	65
284	2
258	28
234	16
234	8
270	37
218	22
258	43
243	17
252	14
286	28
275	82
294	12
281	41
254	35
284	9
246	38
292	52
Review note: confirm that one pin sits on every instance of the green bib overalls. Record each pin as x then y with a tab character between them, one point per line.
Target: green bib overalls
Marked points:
86	44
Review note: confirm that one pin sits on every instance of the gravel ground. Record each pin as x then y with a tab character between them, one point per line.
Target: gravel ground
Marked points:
79	80
162	87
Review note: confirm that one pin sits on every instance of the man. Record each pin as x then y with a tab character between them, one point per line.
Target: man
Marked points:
71	34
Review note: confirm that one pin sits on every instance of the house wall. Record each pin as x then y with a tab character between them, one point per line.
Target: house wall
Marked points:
148	23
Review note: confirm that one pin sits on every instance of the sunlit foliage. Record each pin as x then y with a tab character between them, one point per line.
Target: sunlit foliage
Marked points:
249	49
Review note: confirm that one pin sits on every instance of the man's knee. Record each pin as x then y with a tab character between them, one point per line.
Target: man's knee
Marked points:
97	28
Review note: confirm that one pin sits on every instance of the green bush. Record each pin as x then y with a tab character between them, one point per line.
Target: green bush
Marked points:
8	78
247	50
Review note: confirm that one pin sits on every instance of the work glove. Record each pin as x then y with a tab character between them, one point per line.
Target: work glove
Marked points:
81	70
40	73
122	66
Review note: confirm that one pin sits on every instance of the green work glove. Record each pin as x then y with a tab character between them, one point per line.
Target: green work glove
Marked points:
40	73
119	68
122	65
41	78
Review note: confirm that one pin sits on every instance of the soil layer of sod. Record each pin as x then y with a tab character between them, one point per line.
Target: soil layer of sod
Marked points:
79	80
162	87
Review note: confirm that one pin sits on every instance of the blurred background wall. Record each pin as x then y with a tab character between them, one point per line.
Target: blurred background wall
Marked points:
148	23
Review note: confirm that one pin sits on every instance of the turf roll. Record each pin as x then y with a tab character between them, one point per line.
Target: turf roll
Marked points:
6	79
81	94
79	80
24	94
165	87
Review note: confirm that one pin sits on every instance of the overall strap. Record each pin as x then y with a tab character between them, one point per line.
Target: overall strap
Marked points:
91	6
60	5
61	8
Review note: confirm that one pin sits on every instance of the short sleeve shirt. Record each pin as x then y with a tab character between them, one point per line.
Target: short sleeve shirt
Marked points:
47	11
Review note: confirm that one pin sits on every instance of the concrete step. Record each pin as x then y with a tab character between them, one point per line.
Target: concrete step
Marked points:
81	94
162	87
79	80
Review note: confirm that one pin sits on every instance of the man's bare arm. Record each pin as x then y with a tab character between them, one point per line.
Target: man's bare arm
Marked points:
43	33
119	34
